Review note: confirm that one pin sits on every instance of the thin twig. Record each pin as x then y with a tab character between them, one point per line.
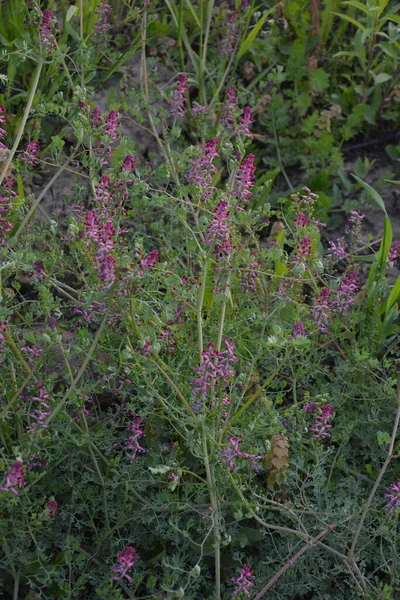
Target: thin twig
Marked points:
292	560
378	479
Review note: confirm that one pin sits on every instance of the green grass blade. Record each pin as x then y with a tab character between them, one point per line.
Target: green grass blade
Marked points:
247	42
350	20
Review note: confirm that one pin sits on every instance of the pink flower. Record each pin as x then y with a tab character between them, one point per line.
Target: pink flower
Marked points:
40	414
46	35
3	119
146	348
198	109
228	108
249	277
336	249
393	496
179	97
310	407
321	424
15	478
102	24
302	253
232	452
127	560
244	180
394	253
245	122
149	261
216	368
230	37
29	155
128	164
96	117
355	220
52	508
202	169
309	197
298	330
244	582
132	446
218	227
346	291
321	311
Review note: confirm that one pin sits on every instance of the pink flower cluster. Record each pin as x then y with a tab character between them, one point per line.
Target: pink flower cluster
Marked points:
336	249
393	496
244	180
40	414
233	452
394	253
244	582
179	97
322	425
46	35
302	253
100	229
346	291
229	108
29	155
127	560
231	33
202	170
51	509
102	24
321	310
6	193
14	478
110	134
132	446
245	122
3	119
216	368
250	277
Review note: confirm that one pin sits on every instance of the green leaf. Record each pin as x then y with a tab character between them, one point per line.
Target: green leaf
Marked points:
384	248
319	80
383	438
381	77
70	13
359	5
373	194
393	296
245	45
350	20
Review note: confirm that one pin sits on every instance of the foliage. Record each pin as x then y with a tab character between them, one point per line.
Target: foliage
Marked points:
199	389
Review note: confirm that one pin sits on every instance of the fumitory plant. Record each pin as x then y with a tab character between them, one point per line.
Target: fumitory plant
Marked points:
200	393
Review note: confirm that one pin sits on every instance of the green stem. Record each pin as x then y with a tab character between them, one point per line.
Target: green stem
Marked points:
97	468
200	310
17	352
21	128
378	479
42	194
214	506
81	371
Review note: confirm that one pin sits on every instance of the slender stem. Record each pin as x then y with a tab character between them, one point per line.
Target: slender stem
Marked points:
214	505
378	479
17	578
17	352
200	310
292	560
97	468
81	371
203	58
172	383
42	194
21	128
